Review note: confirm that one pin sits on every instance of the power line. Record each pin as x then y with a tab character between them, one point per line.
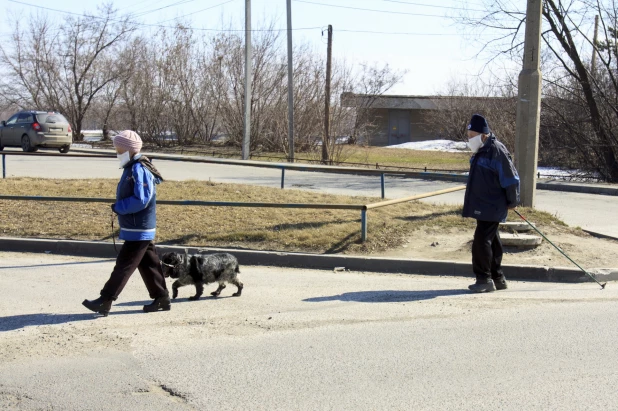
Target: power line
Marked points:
178	3
138	3
199	11
240	30
156	25
432	5
372	10
397	33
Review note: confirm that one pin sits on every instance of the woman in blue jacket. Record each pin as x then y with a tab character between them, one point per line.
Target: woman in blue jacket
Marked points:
492	189
137	216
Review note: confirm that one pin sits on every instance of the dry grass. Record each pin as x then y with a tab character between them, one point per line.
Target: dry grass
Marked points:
401	157
394	157
321	231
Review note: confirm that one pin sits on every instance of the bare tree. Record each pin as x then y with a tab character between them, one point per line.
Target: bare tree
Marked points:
65	67
463	98
590	136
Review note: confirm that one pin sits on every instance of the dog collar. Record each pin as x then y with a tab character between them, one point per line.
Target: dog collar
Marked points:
168	265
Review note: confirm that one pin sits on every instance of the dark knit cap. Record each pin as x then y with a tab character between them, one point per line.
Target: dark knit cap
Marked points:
479	124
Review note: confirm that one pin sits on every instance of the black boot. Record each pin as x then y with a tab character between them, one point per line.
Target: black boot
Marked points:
482	286
159	303
500	283
101	305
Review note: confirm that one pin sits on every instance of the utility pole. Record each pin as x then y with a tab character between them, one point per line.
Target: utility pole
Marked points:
529	106
248	55
329	56
593	65
290	87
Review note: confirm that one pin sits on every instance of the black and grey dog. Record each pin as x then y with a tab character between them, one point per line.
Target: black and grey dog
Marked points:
201	269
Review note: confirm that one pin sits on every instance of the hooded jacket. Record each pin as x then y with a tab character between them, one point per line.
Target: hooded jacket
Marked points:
136	200
493	183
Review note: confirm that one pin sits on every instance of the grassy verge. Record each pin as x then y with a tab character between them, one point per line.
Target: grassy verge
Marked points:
391	157
322	231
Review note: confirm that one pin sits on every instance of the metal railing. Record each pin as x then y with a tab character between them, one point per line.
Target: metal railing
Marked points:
362	207
259	164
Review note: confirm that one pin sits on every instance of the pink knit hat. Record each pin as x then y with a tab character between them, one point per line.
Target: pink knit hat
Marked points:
128	140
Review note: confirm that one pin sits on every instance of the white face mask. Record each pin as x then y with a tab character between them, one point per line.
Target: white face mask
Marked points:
475	143
124	158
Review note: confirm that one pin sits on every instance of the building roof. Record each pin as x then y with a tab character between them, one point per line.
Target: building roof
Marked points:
401	102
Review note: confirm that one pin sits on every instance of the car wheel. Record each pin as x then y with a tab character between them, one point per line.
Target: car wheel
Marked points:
26	146
64	149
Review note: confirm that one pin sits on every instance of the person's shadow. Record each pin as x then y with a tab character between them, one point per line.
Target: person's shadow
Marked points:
388	296
16	322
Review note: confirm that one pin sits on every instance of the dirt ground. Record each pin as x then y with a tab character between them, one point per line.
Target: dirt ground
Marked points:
456	244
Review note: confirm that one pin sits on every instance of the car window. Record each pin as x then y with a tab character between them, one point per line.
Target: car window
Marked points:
12	120
51	118
25	118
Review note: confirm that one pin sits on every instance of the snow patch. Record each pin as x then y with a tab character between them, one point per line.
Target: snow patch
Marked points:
446	146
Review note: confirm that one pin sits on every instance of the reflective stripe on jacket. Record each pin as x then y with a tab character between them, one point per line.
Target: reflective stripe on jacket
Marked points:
493	183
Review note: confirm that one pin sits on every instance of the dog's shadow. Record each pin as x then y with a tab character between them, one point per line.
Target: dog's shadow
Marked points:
388	296
17	322
174	301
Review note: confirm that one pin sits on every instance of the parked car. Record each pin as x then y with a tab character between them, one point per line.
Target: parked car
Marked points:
33	129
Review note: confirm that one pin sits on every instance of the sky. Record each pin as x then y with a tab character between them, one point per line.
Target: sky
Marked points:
433	50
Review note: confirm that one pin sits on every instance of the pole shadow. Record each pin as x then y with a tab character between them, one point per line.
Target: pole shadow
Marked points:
388	296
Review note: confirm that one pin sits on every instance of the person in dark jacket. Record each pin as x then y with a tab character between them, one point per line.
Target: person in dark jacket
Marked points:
137	216
492	189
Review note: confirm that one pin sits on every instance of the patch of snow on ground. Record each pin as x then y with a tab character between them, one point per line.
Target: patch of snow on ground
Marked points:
447	146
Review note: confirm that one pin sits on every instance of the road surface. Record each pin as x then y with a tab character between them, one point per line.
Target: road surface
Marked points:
303	340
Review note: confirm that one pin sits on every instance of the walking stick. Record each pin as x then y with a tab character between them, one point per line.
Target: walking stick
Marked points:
559	249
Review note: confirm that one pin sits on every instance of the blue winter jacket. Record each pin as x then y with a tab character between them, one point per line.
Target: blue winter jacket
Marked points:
136	202
493	183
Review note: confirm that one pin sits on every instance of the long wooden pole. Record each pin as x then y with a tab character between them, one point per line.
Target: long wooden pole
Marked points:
415	197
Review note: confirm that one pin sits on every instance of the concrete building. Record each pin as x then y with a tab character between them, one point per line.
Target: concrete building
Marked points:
397	119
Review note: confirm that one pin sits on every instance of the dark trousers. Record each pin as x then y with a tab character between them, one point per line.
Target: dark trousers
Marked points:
487	251
139	255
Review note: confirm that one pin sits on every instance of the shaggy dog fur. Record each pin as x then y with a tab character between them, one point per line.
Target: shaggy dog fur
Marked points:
201	269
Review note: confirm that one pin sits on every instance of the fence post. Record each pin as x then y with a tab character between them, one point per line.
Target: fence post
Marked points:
3	165
382	183
282	178
363	225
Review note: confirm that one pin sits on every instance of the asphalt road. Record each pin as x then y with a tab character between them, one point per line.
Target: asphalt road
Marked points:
303	340
592	212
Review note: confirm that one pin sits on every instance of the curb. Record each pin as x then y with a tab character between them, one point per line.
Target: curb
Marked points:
600	235
101	249
608	191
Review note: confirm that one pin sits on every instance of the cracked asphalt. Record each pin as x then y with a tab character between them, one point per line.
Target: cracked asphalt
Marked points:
303	340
